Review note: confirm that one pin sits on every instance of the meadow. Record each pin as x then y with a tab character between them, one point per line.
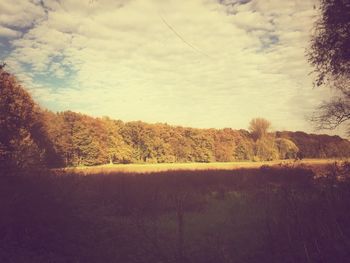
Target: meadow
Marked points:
163	167
271	213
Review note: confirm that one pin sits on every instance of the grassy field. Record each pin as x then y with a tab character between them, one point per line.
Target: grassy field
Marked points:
161	167
275	213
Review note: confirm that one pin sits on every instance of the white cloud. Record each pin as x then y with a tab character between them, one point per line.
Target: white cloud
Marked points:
8	33
198	63
20	13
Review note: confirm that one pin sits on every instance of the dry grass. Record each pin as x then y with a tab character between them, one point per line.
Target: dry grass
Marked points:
251	214
161	167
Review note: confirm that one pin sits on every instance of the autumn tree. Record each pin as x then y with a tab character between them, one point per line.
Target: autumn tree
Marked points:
23	141
224	145
329	54
118	150
286	148
180	144
85	139
165	151
316	145
265	149
259	128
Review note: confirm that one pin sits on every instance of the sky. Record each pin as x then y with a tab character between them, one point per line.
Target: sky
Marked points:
197	63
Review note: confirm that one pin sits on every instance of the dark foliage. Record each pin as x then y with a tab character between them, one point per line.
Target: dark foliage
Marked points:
329	53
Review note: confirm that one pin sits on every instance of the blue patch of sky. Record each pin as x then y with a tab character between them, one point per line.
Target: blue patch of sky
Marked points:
269	40
48	78
54	84
233	2
243	2
5	48
26	67
5	42
51	80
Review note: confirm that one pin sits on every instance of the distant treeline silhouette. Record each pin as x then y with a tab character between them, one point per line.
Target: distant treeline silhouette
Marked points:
33	137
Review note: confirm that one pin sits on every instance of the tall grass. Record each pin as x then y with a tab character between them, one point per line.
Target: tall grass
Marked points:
267	214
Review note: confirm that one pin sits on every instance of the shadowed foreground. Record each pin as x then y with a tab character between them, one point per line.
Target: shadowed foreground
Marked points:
251	215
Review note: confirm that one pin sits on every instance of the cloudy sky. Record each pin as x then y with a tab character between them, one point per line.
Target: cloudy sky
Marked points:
199	63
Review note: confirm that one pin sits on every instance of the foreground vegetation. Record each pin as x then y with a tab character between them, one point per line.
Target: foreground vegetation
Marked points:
267	214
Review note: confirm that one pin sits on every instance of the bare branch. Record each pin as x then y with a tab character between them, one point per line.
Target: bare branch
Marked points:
333	113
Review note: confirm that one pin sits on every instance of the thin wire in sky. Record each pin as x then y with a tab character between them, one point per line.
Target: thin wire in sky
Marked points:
181	38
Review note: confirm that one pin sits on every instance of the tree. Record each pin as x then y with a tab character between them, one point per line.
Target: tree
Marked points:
286	148
259	128
265	149
23	141
224	145
329	54
117	150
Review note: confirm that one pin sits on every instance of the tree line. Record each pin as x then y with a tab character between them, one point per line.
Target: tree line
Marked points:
33	137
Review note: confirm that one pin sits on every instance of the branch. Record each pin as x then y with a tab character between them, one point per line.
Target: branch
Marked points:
332	114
